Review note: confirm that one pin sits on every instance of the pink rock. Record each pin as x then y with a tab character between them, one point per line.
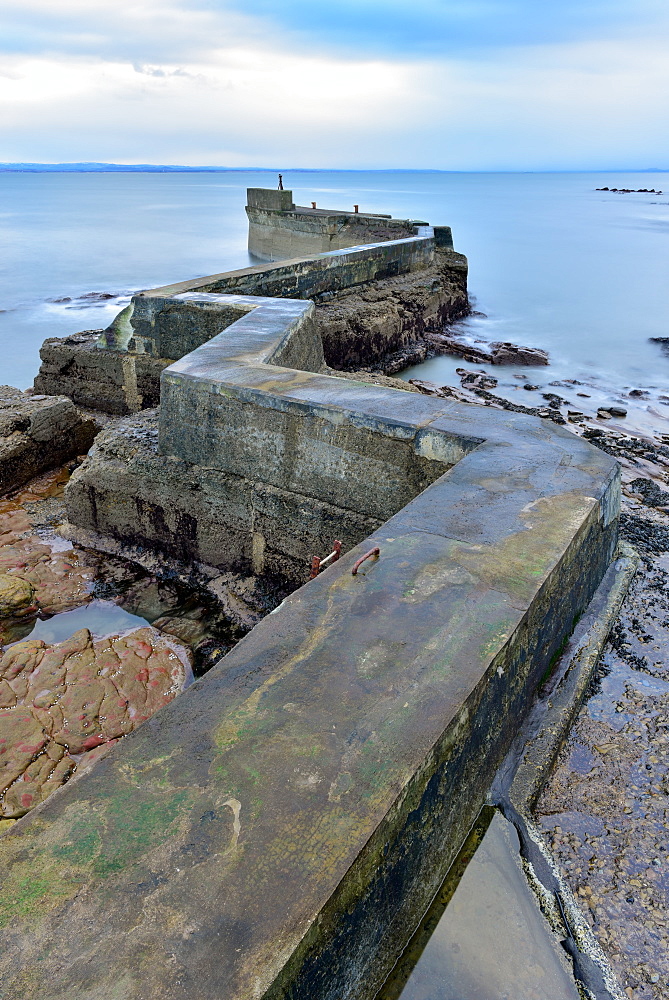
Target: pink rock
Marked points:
76	697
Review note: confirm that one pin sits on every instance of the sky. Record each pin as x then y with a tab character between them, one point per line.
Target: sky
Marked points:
434	84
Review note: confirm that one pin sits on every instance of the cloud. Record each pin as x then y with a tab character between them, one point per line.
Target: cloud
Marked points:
452	27
148	32
212	85
242	107
185	30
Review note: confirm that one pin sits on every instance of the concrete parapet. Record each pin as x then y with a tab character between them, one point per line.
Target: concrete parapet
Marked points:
276	830
304	278
370	301
279	230
271	201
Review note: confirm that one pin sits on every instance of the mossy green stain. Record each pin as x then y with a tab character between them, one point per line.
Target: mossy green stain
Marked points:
136	827
109	841
29	890
83	846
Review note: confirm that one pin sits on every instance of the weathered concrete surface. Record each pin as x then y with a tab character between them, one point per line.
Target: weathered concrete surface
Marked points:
111	381
37	433
276	830
265	480
128	493
278	229
327	770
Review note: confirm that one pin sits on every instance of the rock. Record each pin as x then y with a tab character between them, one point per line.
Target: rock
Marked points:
364	324
530	387
22	739
187	630
650	492
429	388
498	353
451	345
16	595
37	433
603	414
479	380
76	697
575	415
397	361
504	353
42	776
612	411
638	392
58	580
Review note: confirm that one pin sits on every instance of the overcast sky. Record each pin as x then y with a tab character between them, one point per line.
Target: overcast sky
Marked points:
447	84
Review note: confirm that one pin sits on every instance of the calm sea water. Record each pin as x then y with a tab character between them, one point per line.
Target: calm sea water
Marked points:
553	263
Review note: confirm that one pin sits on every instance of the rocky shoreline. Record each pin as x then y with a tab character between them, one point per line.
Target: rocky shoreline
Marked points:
64	704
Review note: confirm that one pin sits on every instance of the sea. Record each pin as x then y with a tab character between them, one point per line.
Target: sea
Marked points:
554	263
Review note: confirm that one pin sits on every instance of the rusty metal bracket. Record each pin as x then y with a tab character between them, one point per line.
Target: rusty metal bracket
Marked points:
373	553
318	564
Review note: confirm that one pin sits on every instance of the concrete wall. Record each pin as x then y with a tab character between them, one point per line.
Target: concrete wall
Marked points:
306	278
279	230
277	830
405	287
268	200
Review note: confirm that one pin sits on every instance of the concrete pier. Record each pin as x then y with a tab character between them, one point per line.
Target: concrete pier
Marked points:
279	229
278	829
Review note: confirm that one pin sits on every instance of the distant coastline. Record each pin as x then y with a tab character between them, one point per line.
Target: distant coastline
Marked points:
159	168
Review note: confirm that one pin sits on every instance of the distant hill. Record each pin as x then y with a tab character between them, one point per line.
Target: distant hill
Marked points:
106	168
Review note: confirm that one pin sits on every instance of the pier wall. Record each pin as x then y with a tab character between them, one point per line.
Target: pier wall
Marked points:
278	229
277	830
369	300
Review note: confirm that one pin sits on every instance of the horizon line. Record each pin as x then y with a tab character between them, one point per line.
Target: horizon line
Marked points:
92	166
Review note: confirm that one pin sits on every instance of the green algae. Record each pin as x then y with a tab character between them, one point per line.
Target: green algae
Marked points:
28	890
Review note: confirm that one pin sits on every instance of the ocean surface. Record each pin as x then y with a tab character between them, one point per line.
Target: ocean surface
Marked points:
553	262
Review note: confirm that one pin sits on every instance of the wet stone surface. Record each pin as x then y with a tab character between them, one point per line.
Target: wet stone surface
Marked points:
90	646
605	811
484	936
